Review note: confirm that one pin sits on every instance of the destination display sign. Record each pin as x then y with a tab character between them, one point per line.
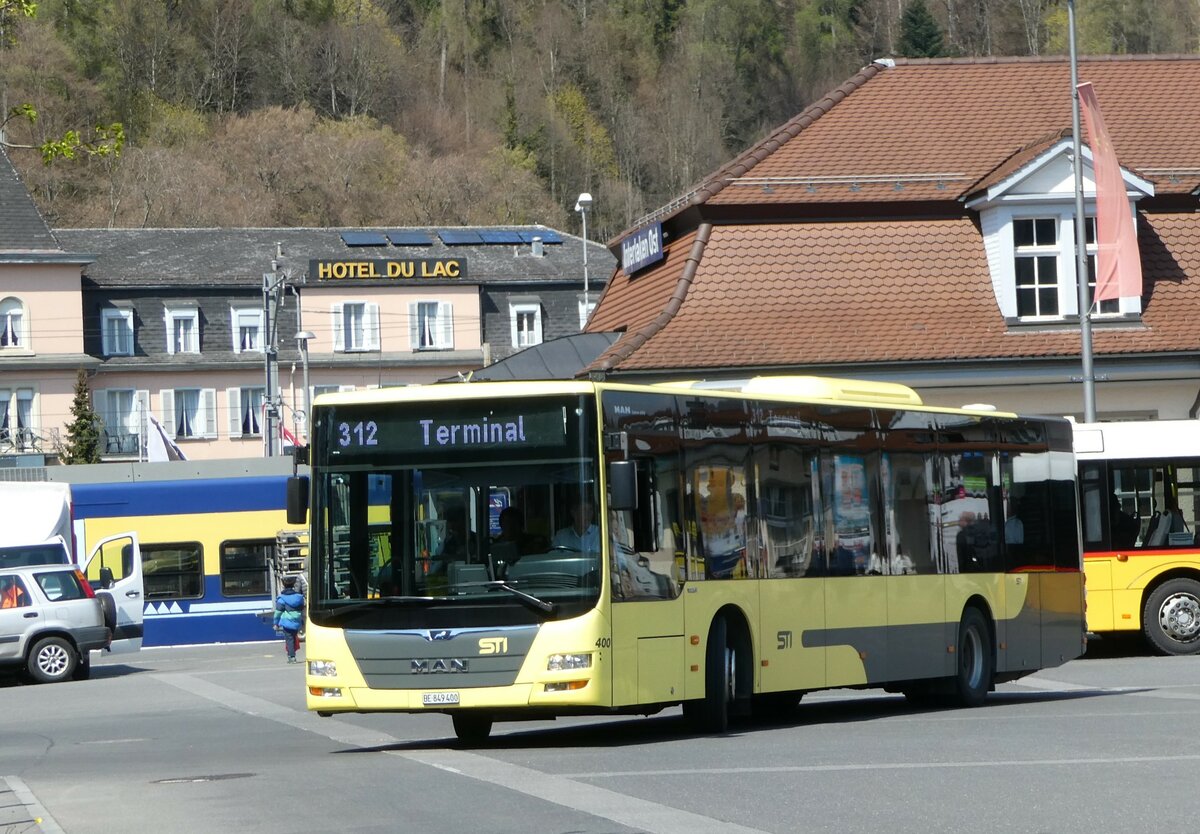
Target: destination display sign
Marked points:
469	432
388	269
642	248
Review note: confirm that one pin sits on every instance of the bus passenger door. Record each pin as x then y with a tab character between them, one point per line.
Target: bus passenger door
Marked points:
114	568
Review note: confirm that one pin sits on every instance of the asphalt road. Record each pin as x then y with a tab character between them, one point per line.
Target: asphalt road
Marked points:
217	739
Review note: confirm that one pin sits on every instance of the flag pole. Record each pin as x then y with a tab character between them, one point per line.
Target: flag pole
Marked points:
1081	264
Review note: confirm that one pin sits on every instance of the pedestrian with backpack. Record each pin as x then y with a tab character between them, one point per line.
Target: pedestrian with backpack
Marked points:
289	616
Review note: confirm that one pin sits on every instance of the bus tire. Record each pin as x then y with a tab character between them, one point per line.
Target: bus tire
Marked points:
1171	618
710	714
472	728
52	659
975	666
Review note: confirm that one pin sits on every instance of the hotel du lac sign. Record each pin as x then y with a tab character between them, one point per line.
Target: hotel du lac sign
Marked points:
387	268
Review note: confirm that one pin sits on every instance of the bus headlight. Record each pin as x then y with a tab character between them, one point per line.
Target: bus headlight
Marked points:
562	662
322	668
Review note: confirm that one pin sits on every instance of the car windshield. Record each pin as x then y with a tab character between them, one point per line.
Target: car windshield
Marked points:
26	555
465	533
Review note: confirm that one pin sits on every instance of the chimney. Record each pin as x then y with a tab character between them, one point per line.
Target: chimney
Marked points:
536	243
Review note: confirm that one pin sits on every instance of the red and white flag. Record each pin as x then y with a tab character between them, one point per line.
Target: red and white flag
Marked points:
1118	264
288	436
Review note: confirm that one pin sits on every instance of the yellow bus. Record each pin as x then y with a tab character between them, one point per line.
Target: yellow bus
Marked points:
1140	486
517	550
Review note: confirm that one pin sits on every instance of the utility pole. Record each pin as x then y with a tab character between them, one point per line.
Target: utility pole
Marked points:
275	283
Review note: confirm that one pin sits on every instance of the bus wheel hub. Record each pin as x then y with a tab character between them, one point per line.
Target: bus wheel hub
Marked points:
1180	617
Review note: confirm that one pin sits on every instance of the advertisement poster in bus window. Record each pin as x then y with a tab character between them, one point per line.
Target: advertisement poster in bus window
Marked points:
851	515
721	509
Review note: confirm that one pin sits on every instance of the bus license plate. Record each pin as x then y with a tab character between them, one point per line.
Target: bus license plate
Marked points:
437	698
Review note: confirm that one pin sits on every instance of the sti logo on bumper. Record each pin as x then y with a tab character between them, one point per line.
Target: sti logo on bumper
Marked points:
433	667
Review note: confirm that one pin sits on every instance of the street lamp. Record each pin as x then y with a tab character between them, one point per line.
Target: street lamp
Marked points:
302	338
583	205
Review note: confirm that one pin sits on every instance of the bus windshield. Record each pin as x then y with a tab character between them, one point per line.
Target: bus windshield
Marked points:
459	513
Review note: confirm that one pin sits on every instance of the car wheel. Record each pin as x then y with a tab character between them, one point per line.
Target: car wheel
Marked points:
51	660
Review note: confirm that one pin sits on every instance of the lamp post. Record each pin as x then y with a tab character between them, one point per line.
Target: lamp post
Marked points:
302	339
583	205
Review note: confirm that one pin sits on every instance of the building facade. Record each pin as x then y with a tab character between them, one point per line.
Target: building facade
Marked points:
177	326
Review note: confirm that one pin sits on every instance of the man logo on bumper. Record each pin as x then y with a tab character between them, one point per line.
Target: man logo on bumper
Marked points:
424	666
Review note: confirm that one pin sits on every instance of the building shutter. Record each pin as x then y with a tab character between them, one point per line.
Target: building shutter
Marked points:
167	395
208	412
234	397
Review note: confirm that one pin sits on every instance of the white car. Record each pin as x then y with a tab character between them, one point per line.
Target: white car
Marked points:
50	621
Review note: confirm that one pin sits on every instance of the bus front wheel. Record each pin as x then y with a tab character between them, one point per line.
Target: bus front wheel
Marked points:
711	713
975	665
1171	619
472	728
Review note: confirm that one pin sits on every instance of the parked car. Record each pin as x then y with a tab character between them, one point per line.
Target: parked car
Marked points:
50	621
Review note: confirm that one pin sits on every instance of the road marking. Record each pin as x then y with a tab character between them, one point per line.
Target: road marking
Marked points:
630	811
641	814
878	766
1047	684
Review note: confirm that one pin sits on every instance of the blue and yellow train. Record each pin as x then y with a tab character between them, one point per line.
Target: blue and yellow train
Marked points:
212	548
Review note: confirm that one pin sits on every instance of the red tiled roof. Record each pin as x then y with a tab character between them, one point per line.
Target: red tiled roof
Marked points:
884	290
929	129
907	288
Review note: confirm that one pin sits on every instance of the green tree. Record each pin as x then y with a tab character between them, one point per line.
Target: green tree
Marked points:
102	140
83	432
920	36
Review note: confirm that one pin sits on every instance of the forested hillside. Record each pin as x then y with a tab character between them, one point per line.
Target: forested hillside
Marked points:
399	112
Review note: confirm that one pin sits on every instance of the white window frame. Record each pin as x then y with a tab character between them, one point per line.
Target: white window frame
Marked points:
14	325
436	336
109	319
1039	253
19	430
238	399
348	339
1108	307
205	420
117	424
174	315
585	311
236	317
519	314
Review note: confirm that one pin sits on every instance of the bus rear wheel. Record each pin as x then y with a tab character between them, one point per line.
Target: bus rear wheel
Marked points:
710	714
472	728
1171	618
975	665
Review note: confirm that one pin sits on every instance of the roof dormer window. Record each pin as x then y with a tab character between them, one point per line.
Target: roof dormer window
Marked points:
1028	221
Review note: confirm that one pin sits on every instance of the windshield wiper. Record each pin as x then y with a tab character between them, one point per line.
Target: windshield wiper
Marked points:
529	599
379	602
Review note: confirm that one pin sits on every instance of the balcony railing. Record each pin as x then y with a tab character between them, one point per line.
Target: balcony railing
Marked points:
27	441
120	444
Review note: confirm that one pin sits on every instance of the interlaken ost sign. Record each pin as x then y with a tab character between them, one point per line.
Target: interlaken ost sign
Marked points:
387	268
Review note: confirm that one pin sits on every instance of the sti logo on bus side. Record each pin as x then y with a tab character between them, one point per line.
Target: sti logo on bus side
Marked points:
493	645
424	666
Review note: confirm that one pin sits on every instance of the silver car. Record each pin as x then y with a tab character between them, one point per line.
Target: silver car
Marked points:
50	620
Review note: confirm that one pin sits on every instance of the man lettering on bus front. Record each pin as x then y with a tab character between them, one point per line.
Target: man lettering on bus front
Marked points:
582	534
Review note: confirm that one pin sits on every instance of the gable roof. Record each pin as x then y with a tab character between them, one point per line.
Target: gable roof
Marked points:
843	237
22	229
239	257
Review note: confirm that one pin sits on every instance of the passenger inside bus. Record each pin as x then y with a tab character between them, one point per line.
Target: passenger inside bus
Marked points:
513	542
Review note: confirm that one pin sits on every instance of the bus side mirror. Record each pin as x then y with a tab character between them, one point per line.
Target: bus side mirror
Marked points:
297	500
300	455
622	485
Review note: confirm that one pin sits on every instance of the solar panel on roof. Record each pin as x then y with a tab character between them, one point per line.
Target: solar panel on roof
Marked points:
399	238
364	239
546	235
453	237
500	236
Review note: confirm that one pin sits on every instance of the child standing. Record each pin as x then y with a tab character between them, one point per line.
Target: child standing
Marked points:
289	616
